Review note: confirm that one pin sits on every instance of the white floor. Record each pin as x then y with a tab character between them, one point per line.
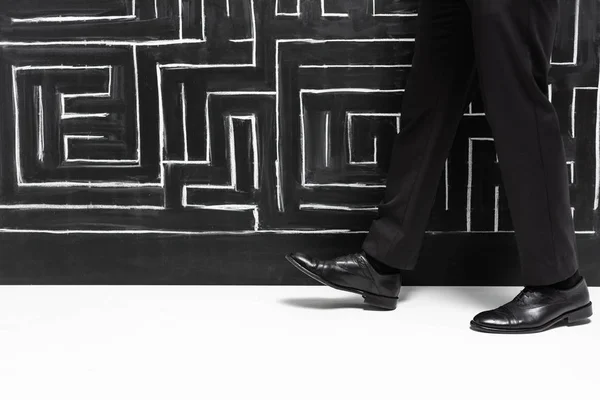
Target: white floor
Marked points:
280	342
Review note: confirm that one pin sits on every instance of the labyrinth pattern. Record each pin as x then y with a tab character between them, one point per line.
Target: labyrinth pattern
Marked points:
205	116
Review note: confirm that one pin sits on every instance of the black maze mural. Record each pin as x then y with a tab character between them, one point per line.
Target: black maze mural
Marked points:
202	139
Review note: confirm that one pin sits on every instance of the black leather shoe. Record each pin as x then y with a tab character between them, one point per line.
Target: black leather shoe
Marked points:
536	309
352	273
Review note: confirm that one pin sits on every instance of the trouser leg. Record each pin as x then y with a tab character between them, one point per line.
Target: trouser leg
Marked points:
437	93
513	40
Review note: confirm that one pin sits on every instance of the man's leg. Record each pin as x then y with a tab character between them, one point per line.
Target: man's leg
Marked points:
438	90
435	99
513	42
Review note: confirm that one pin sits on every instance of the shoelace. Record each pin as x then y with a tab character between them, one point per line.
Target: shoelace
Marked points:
526	292
531	293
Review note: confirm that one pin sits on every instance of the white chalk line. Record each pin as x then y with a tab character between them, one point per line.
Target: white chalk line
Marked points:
235	233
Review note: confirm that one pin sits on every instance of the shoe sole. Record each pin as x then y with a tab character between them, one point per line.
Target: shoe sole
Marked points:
578	314
385	302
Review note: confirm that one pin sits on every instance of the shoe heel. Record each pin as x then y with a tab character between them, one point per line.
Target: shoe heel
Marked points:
582	313
389	303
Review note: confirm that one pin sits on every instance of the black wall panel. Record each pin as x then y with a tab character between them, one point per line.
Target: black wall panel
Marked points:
197	141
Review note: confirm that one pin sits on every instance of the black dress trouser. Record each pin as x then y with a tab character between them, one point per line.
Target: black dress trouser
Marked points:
505	47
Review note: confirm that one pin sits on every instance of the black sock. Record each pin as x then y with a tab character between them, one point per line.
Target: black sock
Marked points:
380	267
567	283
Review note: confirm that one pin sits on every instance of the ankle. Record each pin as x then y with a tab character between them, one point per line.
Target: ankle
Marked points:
565	284
381	268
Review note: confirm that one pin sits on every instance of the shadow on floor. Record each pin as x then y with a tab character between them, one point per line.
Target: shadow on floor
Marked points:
484	297
350	301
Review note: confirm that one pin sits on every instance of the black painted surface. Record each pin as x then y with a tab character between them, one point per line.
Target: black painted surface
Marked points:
446	259
95	154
